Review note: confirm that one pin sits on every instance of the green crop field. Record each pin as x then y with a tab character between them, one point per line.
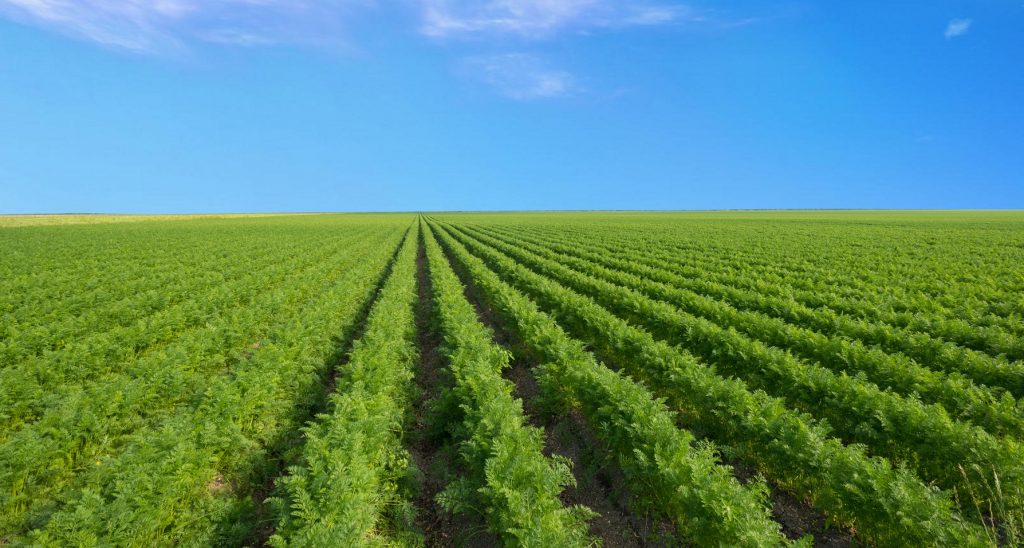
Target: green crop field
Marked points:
539	379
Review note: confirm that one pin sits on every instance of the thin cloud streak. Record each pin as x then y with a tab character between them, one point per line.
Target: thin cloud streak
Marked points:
957	27
171	27
167	26
155	26
520	76
540	18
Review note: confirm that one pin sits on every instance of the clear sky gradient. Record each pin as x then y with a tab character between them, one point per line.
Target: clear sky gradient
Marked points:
151	106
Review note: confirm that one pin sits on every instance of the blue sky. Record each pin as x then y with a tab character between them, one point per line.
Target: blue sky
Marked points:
360	105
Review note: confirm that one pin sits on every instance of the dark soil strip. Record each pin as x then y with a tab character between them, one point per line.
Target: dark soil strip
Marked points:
798	517
430	447
425	447
570	436
287	450
600	484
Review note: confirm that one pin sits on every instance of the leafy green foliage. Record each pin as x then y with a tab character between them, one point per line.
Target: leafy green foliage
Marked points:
180	442
510	480
889	505
347	485
676	478
167	382
742	289
997	413
900	428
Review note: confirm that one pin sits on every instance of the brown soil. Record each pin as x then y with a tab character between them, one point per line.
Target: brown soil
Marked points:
434	458
600	485
797	517
218	486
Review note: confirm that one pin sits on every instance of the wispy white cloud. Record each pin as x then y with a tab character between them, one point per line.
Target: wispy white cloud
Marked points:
171	26
520	76
159	26
957	27
540	18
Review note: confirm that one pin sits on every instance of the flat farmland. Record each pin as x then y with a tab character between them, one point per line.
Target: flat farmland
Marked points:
734	378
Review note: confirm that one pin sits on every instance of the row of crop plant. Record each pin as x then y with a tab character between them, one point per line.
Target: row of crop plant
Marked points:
342	492
881	262
791	448
991	409
734	290
254	428
166	448
982	319
80	426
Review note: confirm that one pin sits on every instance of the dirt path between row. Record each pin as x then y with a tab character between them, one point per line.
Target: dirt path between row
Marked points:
602	487
287	450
